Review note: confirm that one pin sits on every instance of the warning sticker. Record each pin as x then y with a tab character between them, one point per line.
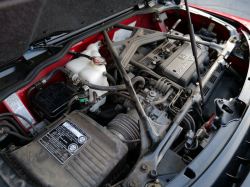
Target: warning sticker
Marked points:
64	140
123	34
16	106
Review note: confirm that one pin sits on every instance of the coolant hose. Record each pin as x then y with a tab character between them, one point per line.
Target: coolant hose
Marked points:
54	72
18	135
147	70
93	86
28	97
116	93
159	101
11	127
15	124
191	120
110	78
24	118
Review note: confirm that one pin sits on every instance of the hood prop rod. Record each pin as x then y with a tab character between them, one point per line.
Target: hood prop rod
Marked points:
194	49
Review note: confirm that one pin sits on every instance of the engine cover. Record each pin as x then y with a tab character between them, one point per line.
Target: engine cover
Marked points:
76	151
180	66
175	61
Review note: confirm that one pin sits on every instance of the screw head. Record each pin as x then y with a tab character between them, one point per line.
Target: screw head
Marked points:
144	167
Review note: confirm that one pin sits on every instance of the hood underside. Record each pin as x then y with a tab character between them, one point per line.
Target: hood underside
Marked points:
45	17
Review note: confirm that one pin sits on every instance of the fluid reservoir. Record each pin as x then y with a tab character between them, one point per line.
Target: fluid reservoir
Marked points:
91	72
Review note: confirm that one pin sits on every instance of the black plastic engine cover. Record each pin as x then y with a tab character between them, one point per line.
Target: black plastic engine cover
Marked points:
77	151
180	66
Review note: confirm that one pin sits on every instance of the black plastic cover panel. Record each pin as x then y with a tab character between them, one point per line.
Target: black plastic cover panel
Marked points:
77	152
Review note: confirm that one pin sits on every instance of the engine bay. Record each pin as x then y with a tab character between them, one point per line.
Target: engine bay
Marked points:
124	107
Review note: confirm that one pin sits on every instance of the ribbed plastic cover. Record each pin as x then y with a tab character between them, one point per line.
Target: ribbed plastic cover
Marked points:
92	165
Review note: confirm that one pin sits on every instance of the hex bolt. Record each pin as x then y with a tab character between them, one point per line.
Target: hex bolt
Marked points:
144	167
152	174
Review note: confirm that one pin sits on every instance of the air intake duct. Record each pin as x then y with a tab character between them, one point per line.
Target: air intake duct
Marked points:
125	128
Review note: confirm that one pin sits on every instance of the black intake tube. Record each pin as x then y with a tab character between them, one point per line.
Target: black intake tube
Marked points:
146	125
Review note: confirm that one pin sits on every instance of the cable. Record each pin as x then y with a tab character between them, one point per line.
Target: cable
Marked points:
13	122
116	93
196	145
179	147
115	185
198	114
159	101
28	96
17	135
148	72
24	118
110	78
191	120
9	126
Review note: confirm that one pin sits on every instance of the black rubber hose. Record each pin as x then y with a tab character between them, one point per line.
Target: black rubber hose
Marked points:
159	101
55	71
144	121
69	105
198	114
24	118
112	88
116	93
191	120
177	13
93	86
18	135
9	126
15	124
138	79
105	114
110	78
28	97
186	123
149	71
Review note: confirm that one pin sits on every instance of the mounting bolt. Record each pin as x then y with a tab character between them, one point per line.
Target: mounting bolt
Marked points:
132	184
153	62
152	174
144	167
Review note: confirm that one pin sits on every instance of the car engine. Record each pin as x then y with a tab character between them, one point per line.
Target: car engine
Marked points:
127	112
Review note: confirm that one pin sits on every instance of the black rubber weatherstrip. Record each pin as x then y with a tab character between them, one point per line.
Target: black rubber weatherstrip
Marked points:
72	41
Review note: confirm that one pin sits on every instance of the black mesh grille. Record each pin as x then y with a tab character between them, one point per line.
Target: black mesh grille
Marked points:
147	61
218	69
212	79
157	51
205	90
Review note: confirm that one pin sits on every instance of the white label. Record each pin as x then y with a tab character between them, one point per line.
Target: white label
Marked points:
72	129
16	105
123	34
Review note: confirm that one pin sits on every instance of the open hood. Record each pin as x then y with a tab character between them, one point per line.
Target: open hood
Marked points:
26	21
